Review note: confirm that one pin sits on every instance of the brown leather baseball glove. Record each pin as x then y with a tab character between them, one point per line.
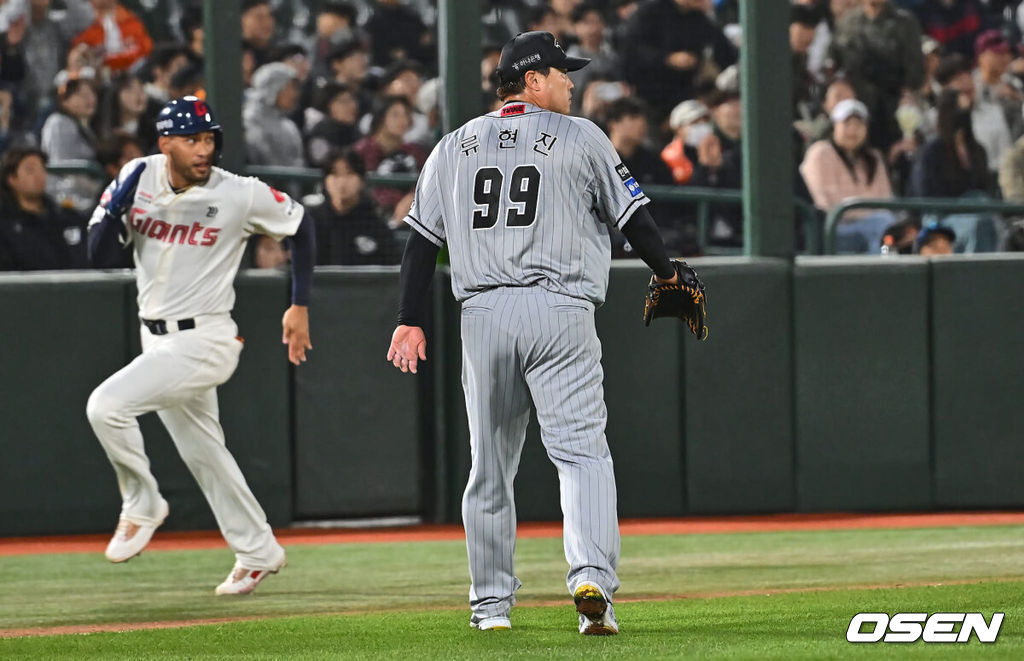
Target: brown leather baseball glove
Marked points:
685	299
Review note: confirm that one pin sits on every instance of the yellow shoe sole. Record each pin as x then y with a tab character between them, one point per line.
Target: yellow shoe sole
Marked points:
589	601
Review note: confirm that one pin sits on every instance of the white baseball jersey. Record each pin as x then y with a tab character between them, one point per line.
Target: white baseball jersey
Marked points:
525	196
188	245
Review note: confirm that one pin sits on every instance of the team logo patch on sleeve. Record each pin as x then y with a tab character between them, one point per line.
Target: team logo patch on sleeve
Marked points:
628	181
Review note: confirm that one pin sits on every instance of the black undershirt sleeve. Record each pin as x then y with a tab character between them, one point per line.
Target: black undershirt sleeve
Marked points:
643	235
105	248
303	247
418	264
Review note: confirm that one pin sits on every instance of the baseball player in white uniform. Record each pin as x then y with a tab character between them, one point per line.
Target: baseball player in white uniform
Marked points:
524	198
187	222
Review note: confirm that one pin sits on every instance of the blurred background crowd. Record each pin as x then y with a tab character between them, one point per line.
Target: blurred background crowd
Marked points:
890	98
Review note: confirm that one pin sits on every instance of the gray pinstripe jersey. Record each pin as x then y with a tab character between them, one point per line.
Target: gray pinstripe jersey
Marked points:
524	196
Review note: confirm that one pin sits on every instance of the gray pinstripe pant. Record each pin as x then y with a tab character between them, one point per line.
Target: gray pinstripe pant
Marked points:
520	342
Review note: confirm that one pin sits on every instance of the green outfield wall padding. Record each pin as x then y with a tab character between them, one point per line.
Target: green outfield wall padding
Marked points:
978	329
834	384
62	335
738	407
862	420
452	425
357	445
254	411
643	391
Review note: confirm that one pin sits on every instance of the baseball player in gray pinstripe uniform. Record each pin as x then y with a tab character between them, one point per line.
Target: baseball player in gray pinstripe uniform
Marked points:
524	198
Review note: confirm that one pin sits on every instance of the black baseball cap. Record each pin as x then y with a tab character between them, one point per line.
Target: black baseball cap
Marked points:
529	51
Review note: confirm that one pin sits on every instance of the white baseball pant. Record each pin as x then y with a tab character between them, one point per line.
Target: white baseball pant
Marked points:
177	375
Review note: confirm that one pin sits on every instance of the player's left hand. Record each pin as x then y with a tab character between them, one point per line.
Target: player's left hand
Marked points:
123	192
408	346
295	324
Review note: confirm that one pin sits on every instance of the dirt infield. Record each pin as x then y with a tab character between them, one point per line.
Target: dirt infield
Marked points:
172	541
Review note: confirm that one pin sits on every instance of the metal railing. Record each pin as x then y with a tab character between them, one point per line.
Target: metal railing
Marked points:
91	168
924	205
702	197
272	173
705	197
315	176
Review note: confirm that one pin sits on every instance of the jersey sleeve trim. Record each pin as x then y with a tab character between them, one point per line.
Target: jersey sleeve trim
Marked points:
627	212
422	229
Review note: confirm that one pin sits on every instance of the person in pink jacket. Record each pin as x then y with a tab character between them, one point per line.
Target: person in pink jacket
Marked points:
844	166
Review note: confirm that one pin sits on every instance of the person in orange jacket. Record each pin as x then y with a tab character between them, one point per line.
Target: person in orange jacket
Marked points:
691	123
118	34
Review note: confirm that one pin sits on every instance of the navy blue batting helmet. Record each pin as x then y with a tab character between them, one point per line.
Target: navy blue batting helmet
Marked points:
187	116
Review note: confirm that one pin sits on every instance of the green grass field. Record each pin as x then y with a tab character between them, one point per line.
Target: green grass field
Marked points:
752	595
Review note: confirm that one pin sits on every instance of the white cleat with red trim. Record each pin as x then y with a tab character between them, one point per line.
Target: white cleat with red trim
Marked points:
243	580
131	538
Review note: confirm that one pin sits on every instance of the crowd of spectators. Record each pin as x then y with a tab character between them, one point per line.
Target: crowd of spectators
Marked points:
890	98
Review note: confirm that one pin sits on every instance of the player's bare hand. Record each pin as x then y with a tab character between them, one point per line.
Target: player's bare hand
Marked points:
709	152
408	347
295	325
